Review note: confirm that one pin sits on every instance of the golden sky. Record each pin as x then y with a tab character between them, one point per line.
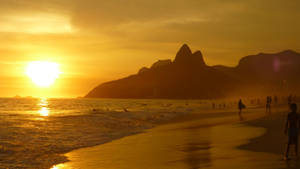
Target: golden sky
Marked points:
96	40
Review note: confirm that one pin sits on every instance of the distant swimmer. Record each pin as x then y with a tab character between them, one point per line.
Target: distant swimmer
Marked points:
241	106
186	103
292	129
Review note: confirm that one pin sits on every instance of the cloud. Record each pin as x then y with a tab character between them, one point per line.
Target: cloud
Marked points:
35	23
111	39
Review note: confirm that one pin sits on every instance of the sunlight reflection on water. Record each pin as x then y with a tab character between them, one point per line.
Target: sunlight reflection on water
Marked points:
44	110
54	167
59	166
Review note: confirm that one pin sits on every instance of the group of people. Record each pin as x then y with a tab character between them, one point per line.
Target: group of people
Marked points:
292	125
268	104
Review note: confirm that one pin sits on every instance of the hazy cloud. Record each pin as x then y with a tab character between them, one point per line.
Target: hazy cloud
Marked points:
111	39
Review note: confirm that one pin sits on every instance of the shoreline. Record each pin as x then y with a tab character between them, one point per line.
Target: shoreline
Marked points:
222	119
175	120
273	141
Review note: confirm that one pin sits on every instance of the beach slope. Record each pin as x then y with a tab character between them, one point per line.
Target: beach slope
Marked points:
188	145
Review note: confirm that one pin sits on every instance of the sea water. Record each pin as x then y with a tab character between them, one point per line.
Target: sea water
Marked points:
34	132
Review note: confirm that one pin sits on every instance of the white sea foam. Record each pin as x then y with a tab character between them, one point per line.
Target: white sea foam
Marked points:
35	132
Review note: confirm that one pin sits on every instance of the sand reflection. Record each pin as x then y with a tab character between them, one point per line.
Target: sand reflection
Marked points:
197	149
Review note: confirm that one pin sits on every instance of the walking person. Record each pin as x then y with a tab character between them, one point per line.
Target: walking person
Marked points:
292	126
241	106
268	105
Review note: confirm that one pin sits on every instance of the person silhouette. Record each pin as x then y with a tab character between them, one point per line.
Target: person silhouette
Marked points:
292	126
268	104
241	106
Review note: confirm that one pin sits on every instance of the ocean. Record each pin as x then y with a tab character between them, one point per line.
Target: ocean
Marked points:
34	133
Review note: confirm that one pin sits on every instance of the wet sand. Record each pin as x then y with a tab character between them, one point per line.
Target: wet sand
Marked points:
274	140
192	144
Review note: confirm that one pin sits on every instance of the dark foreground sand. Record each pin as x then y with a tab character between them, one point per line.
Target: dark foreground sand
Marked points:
214	143
274	140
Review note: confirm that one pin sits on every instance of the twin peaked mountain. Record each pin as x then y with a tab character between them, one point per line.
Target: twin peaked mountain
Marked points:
188	77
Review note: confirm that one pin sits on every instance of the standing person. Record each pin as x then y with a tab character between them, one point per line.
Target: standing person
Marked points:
268	104
292	129
241	106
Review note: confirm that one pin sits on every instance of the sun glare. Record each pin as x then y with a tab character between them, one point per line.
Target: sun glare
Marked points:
43	73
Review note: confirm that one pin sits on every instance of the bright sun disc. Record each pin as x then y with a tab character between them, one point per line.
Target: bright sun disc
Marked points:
43	73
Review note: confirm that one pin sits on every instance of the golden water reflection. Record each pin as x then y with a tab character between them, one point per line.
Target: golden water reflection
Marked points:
54	167
44	110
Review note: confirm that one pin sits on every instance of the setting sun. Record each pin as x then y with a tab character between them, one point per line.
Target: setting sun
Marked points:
43	73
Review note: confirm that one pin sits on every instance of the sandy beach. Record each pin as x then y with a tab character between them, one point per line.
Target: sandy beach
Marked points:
160	84
220	142
274	140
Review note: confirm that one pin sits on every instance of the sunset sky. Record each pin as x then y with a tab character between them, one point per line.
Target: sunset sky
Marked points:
94	41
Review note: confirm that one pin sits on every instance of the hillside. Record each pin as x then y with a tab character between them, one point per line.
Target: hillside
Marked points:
188	77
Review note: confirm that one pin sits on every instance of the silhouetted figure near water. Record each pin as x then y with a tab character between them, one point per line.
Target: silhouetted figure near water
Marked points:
292	129
213	105
268	104
220	106
241	106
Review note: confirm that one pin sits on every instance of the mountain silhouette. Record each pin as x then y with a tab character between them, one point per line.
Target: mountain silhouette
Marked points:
185	57
188	77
